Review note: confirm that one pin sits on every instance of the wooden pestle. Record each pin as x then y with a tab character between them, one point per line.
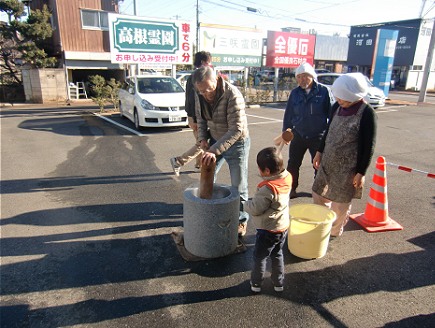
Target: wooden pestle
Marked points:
286	136
206	180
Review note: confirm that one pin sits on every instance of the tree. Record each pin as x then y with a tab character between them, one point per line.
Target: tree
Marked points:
22	40
100	90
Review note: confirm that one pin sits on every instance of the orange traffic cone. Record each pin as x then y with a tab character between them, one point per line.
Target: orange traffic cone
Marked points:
375	218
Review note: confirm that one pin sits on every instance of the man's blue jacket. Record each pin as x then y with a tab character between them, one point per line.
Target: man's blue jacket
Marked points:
308	114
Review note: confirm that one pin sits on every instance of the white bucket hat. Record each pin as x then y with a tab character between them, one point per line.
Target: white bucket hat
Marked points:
306	68
350	87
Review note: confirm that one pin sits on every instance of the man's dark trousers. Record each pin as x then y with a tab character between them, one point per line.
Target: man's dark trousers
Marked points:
298	148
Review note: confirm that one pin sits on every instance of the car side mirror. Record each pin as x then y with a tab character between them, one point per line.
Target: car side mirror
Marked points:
131	90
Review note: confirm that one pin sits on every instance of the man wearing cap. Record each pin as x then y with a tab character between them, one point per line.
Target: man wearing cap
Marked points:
307	113
202	58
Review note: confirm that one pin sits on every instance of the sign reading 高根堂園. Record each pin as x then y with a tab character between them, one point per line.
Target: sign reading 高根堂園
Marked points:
139	40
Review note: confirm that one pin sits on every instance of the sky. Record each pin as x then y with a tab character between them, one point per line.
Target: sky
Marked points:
324	16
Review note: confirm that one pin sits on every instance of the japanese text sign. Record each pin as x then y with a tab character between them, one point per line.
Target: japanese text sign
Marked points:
362	42
139	40
289	49
231	46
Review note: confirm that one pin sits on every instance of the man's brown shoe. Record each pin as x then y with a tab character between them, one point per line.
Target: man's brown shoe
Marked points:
293	194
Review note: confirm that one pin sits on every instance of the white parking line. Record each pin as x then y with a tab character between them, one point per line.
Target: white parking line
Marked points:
271	120
266	107
265	118
119	124
387	109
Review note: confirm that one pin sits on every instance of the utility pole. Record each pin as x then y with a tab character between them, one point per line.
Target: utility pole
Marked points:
197	25
427	66
134	68
135	7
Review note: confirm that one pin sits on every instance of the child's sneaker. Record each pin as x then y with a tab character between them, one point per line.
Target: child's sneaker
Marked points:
175	166
256	288
278	289
197	169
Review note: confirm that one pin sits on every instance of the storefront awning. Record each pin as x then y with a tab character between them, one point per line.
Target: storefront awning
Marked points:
91	64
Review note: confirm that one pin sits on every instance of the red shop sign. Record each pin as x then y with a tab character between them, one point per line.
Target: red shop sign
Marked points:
289	49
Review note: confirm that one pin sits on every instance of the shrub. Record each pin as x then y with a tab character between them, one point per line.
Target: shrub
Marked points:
114	92
100	90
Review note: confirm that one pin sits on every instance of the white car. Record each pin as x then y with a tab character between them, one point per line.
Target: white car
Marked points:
374	97
153	101
182	77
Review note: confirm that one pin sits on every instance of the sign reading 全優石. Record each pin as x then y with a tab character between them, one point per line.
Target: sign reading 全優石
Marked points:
289	49
139	40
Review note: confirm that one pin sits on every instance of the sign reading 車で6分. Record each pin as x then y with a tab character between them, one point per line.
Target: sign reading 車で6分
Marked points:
135	40
289	49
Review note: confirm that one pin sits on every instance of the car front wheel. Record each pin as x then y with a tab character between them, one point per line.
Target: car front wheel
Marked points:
136	121
120	110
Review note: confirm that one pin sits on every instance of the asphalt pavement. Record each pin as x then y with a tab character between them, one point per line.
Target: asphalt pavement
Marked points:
88	208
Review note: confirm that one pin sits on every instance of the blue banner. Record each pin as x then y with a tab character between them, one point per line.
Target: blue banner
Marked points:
383	59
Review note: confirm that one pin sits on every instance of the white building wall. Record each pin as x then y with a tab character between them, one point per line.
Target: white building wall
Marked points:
415	75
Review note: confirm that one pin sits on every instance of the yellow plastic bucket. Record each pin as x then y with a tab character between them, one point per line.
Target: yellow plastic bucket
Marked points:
310	227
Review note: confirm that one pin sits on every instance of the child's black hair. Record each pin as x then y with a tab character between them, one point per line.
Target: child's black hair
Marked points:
271	159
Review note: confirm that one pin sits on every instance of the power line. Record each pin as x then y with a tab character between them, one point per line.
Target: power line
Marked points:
286	18
127	7
430	8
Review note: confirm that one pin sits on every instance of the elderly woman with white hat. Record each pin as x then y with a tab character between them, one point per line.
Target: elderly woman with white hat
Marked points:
346	149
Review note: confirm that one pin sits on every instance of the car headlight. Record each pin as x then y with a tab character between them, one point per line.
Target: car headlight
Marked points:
147	105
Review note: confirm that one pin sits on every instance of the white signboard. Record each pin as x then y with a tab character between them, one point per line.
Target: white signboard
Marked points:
231	46
390	48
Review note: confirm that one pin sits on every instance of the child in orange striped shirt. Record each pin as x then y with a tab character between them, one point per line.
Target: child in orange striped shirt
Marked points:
268	209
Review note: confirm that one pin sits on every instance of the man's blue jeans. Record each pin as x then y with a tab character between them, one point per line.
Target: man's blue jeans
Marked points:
237	157
269	244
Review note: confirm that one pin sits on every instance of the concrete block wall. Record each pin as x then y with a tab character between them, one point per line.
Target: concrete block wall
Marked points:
46	85
27	85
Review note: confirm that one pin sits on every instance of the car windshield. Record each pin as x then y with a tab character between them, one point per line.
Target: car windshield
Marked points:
158	85
327	79
370	84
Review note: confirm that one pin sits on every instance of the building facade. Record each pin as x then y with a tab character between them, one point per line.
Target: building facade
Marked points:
331	53
81	38
410	56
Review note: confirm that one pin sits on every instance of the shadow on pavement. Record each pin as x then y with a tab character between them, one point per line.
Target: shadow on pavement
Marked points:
100	264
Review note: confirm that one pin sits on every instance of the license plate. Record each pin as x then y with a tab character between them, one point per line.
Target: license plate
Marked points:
175	119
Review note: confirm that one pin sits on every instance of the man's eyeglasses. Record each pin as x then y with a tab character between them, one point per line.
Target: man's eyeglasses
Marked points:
206	91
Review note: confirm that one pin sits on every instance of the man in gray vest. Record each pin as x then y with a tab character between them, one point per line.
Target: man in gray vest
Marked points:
223	131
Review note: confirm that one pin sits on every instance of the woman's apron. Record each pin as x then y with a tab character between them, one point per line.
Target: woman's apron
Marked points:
334	179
